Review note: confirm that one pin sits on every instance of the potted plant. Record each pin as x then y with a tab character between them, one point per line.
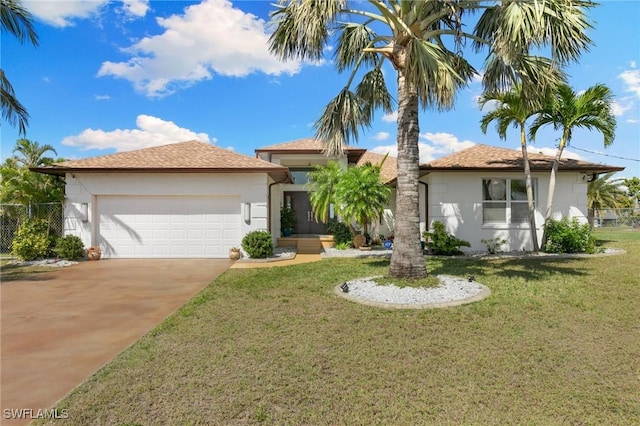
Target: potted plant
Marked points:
287	220
94	253
235	253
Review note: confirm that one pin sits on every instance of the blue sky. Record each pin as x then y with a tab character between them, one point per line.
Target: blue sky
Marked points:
116	76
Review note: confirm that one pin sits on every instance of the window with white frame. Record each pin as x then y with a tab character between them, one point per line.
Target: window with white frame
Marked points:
504	201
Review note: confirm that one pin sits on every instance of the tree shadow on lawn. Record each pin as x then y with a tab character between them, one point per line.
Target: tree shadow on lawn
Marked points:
527	269
10	273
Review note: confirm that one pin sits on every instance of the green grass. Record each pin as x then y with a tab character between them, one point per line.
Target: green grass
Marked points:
557	342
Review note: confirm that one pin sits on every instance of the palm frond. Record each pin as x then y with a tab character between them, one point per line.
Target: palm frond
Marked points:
372	89
12	110
17	21
341	120
302	27
352	40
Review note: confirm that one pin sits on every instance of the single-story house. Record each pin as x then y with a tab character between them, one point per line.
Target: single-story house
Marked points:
193	199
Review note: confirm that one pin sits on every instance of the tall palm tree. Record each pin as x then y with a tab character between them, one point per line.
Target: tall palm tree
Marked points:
322	187
424	41
567	110
17	21
512	111
605	193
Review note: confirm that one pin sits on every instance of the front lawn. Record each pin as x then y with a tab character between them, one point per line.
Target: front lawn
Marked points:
557	342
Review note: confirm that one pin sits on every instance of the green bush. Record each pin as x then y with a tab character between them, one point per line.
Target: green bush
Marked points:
32	240
569	236
341	232
441	242
70	247
494	244
258	244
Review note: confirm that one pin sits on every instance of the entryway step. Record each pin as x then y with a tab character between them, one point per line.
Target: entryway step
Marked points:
309	246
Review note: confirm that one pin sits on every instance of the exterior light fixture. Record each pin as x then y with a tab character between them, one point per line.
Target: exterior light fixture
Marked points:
247	212
345	288
84	212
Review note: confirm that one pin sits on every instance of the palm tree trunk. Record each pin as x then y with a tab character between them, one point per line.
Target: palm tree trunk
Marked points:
407	260
552	185
527	179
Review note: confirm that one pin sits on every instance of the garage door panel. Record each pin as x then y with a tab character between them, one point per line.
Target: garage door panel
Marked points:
168	226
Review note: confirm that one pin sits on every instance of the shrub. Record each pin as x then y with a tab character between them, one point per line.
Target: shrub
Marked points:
32	240
441	242
258	244
494	244
70	247
569	236
341	232
343	246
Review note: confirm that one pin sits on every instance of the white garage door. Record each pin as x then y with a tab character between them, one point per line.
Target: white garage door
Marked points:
168	226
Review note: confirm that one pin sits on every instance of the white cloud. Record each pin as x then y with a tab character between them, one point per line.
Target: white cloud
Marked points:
621	106
62	13
210	38
381	136
151	131
137	8
102	97
439	144
631	79
391	117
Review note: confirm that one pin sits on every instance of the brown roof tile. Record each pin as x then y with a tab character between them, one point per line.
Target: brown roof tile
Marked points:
190	156
484	157
389	169
309	145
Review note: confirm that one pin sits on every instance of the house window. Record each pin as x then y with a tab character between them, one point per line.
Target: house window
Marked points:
504	201
300	176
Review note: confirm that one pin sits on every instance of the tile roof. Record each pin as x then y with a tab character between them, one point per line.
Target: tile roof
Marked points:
389	169
484	157
190	156
309	145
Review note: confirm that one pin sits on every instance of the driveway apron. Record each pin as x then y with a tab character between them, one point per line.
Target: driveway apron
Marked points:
60	327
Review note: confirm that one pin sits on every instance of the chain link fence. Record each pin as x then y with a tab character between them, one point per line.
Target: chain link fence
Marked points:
13	215
615	218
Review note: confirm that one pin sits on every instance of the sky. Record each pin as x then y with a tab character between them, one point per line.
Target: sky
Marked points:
113	76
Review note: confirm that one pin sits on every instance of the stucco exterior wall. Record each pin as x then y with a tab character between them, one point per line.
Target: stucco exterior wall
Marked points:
455	198
86	188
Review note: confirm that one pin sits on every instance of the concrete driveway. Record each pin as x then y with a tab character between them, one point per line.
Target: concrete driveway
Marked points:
60	327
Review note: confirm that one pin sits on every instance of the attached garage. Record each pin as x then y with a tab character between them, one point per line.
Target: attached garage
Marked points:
182	200
168	226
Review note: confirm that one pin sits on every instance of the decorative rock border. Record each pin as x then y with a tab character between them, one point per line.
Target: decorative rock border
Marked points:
482	293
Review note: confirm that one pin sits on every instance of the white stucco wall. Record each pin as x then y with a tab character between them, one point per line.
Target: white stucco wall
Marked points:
455	198
88	187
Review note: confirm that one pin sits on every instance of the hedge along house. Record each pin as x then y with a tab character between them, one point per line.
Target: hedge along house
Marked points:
479	193
188	199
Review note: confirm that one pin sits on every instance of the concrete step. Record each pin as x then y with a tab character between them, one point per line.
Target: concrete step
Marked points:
309	246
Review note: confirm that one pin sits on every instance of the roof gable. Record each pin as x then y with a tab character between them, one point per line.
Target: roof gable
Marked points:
484	157
309	146
190	156
389	170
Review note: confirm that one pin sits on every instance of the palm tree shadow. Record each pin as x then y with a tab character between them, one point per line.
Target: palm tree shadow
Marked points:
527	269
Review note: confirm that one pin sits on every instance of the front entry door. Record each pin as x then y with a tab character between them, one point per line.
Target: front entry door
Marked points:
305	222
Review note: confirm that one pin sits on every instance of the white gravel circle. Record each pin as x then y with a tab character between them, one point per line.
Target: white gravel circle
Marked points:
452	291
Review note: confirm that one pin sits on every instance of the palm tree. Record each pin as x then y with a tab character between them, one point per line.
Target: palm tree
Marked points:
423	41
566	110
361	195
322	187
31	153
513	111
604	193
17	21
